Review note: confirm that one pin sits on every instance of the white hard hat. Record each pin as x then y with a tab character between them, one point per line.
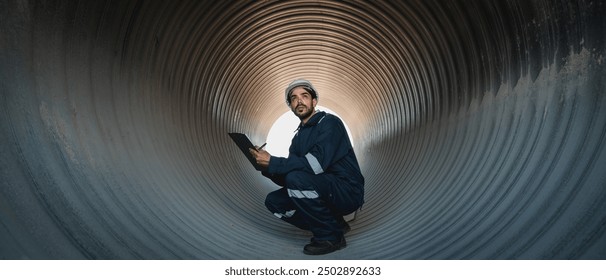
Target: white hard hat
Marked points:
300	83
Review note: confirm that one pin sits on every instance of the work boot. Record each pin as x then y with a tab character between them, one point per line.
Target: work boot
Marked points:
321	247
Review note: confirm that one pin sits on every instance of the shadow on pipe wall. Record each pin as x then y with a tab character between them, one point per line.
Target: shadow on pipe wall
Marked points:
480	127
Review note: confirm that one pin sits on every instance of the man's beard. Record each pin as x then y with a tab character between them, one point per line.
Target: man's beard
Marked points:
303	114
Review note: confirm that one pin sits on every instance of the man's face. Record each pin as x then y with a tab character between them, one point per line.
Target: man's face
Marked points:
302	103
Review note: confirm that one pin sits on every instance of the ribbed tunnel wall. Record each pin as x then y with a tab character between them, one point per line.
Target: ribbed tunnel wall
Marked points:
479	125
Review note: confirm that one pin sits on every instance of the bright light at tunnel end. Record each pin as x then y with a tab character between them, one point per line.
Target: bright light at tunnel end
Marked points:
283	130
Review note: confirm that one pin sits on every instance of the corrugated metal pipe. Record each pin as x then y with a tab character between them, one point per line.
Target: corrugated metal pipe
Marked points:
480	126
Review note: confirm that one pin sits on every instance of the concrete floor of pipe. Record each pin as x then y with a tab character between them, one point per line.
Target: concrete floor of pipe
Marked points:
479	125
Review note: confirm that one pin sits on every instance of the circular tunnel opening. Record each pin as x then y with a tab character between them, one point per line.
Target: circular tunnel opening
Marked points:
479	126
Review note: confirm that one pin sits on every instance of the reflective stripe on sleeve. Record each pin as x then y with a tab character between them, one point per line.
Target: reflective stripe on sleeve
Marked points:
314	163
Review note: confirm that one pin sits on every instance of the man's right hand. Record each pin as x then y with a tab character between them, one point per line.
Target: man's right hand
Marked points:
261	156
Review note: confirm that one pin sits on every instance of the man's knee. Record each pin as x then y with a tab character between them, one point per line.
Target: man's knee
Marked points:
297	178
269	201
274	199
302	185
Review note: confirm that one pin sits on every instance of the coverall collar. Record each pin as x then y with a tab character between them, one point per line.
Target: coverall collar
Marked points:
315	119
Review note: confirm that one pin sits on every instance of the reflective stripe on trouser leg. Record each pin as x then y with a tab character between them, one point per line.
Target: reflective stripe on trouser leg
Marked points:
281	205
303	194
310	193
286	214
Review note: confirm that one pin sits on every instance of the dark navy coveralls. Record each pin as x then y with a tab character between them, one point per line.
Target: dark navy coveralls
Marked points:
321	178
